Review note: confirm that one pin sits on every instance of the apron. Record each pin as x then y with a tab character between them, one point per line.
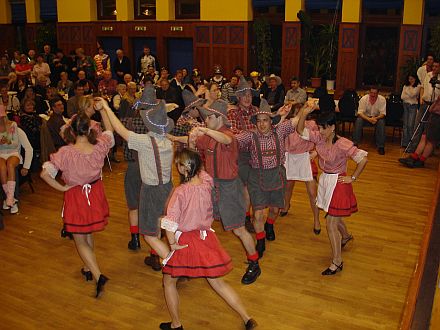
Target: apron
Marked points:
326	186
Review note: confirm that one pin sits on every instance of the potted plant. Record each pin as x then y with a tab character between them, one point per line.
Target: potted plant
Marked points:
319	45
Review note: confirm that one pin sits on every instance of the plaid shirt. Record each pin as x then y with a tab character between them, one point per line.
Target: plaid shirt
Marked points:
268	145
135	124
240	118
185	124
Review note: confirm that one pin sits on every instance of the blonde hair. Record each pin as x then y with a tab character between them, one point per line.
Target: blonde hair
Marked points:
84	103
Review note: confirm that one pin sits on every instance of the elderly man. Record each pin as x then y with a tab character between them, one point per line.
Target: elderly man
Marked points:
371	112
107	85
121	66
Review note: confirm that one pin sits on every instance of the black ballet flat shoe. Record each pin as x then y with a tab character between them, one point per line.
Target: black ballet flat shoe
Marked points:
87	274
317	231
284	213
167	326
261	247
100	285
345	241
65	234
329	271
250	324
134	244
154	262
270	232
252	273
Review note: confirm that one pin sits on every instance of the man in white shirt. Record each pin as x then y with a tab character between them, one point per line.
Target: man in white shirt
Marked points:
371	112
425	68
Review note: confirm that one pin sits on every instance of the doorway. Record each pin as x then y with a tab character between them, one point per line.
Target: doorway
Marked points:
180	54
138	48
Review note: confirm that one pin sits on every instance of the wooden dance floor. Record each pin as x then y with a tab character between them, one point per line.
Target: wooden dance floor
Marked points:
41	286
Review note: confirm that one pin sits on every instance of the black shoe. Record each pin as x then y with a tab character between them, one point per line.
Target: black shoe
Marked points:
252	273
270	232
114	159
167	326
408	161
317	231
154	262
261	247
65	234
249	225
250	324
418	163
134	244
346	240
284	213
381	151
329	271
100	285
87	274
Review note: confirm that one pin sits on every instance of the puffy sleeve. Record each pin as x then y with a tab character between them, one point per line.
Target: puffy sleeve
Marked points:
351	151
170	221
206	178
29	151
56	162
285	128
105	142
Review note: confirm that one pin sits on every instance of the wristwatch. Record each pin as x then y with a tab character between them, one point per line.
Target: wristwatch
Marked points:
353	178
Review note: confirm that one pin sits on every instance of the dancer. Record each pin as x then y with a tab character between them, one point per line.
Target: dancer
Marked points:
132	180
299	168
85	208
155	154
335	191
219	148
267	177
196	251
240	119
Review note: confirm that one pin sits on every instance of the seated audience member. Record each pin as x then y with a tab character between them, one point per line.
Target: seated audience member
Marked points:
5	69
15	59
61	63
13	82
41	68
295	95
12	138
56	121
30	123
64	86
218	77
164	75
228	91
107	85
72	103
170	95
151	72
40	88
89	86
84	63
274	94
371	112
121	89
23	69
177	81
128	100
128	78
30	94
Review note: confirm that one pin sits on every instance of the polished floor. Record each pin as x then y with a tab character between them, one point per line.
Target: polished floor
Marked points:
41	286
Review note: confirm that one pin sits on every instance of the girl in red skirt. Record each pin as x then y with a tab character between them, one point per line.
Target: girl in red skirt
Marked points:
85	206
195	249
335	191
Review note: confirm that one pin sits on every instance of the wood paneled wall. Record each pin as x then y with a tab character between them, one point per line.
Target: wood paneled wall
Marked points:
224	43
409	47
291	52
347	57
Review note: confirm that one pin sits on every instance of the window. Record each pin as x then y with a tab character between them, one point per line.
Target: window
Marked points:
48	10
145	9
18	11
189	9
107	9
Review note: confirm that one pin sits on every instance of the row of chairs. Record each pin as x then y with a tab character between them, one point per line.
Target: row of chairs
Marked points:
349	103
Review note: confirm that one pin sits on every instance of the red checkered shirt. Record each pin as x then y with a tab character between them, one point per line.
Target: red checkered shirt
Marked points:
240	119
246	141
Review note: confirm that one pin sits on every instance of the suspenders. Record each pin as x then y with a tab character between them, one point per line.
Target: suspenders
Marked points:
157	159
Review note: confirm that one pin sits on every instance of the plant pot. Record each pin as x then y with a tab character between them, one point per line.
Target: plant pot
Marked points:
330	85
316	82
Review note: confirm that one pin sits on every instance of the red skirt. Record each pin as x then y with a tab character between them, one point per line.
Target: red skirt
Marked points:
314	168
79	216
343	202
202	258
